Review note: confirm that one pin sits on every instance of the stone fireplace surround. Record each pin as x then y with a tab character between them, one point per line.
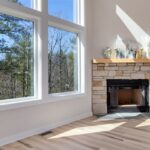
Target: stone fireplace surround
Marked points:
123	69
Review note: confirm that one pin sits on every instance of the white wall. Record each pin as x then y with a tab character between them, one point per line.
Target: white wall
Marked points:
107	24
19	123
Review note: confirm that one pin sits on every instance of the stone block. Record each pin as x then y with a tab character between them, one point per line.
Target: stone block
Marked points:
99	101
139	64
97	78
97	83
100	73
110	77
120	77
138	76
101	65
128	72
96	73
101	96
145	68
99	109
98	92
101	88
94	67
100	68
104	83
126	75
111	68
119	73
147	75
107	64
137	68
112	64
122	64
130	64
129	68
146	64
111	73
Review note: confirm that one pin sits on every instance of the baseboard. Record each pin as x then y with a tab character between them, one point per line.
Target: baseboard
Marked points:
26	134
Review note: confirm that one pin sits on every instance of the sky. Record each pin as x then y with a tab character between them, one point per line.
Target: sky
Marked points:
60	8
27	3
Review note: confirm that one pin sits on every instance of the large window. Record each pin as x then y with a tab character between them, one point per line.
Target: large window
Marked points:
40	57
64	9
16	57
63	61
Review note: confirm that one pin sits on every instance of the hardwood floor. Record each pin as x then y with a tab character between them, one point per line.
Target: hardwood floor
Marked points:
92	134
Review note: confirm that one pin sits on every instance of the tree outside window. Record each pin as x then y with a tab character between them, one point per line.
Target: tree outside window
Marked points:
16	57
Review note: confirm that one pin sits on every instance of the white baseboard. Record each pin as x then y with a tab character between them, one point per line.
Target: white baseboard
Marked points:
48	127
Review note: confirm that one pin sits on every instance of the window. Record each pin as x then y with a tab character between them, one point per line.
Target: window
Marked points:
40	57
16	57
26	3
64	9
62	59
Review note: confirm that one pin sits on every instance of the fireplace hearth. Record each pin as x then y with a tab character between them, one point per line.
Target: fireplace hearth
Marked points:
127	95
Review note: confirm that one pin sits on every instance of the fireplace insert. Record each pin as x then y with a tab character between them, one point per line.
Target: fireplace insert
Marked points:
123	94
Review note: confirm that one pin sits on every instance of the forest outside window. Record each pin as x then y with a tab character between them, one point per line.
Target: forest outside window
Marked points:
62	60
16	57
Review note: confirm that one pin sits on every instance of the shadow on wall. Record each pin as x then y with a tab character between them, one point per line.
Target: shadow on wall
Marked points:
121	23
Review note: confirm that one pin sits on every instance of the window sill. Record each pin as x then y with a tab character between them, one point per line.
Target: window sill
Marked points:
64	96
17	103
28	102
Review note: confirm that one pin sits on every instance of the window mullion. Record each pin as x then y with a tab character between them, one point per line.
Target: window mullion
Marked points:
44	48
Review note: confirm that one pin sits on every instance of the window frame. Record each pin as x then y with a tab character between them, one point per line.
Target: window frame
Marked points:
33	19
42	20
78	29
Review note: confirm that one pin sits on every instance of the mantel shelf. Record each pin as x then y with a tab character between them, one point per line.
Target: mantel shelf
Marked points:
115	60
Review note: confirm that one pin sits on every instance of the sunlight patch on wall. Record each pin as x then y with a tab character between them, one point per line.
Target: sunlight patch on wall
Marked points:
138	33
119	44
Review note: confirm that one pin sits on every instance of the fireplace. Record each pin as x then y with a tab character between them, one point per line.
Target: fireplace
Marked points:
127	94
120	83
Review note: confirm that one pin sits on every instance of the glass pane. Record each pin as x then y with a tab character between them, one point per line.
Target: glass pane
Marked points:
26	3
62	59
16	57
65	9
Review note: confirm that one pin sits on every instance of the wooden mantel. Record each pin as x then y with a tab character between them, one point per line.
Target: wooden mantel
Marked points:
124	60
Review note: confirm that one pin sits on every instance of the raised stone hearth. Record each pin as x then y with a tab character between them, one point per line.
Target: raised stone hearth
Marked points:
104	71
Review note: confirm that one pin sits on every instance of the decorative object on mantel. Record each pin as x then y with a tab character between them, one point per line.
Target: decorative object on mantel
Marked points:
120	53
131	54
110	53
139	54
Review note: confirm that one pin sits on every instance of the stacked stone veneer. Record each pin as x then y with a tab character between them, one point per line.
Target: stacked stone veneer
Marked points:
104	71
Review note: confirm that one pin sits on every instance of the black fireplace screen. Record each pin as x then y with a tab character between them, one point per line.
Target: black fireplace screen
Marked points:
128	92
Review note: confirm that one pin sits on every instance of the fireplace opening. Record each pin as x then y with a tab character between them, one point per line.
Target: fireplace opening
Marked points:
127	95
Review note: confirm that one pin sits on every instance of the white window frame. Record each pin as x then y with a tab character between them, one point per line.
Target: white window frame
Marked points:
42	20
16	10
77	29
